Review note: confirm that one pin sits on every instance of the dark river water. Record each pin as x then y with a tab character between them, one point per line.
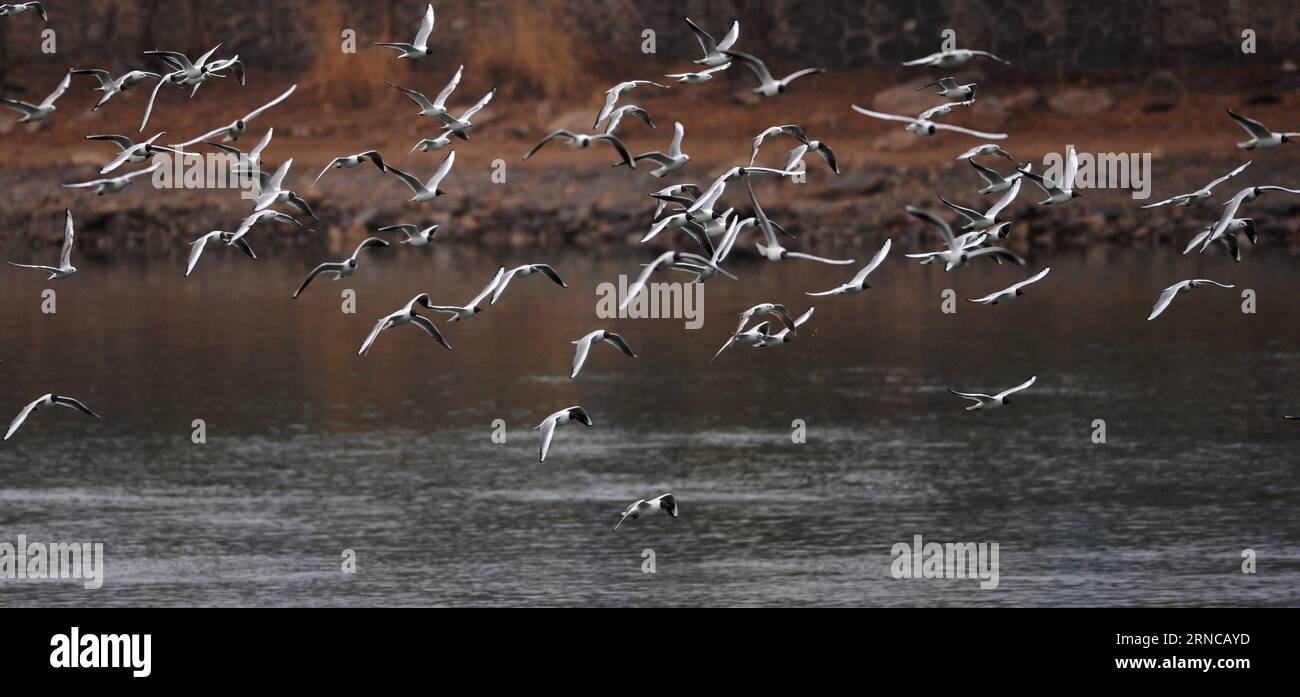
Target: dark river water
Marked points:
312	451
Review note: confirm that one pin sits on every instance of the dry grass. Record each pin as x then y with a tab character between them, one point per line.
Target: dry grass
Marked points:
532	51
345	80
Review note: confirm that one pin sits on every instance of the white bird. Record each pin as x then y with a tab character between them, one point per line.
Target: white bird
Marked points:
432	144
420	47
674	160
1001	399
1057	191
65	267
674	194
585	343
350	161
949	88
667	258
49	400
666	503
19	8
426	191
113	86
259	216
859	281
776	310
405	315
767	85
1228	237
797	132
582	141
613	94
695	78
437	106
236	128
523	271
996	182
184	72
616	117
113	185
1260	136
562	416
340	269
783	336
1167	296
980	221
197	247
457	126
253	157
474	306
986	149
1230	209
1200	195
954	58
772	250
1011	292
926	128
37	112
415	236
713	56
753	337
273	191
959	252
134	153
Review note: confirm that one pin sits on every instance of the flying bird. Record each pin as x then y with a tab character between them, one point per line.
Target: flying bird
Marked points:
350	161
197	247
924	127
980	221
420	47
437	106
986	149
695	78
599	336
562	416
236	128
49	400
38	112
616	117
666	503
273	191
1230	209
767	85
341	269
783	337
113	86
457	126
958	252
415	236
673	160
405	315
665	259
613	94
949	88
523	271
1200	195
1057	191
1167	296
1260	136
113	185
65	267
996	182
474	306
1001	399
134	153
1011	292
954	58
713	51
582	141
772	250
257	217
426	191
859	281
19	8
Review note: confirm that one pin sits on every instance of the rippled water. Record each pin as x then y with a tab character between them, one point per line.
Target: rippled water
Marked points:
312	450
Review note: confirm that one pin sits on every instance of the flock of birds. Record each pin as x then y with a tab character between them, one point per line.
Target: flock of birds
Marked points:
682	208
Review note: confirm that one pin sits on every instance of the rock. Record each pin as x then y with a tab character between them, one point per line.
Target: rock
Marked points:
1077	101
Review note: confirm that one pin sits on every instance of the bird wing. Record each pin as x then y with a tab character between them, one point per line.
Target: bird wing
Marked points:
875	261
1251	126
479	106
420	100
65	257
1022	386
1006	199
327	267
441	100
754	64
557	133
380	326
505	280
488	288
675	147
618	145
967	131
1227	176
1071	168
884	116
196	250
426	28
968	213
58	91
580	354
443	170
1032	279
548	431
416	185
936	221
706	41
22	416
997	251
1166	297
